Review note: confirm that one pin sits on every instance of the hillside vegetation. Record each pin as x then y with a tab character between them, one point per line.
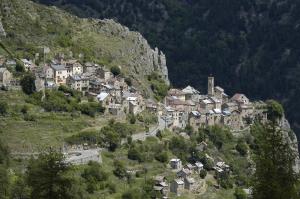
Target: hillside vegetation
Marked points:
237	41
29	27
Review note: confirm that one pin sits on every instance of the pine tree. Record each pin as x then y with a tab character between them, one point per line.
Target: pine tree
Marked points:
274	158
46	177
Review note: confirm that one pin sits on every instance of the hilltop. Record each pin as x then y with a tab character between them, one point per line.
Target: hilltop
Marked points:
27	28
236	41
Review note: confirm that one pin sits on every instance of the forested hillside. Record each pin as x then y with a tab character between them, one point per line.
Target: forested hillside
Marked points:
250	46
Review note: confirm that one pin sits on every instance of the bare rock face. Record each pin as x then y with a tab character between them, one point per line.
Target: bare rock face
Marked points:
143	59
292	140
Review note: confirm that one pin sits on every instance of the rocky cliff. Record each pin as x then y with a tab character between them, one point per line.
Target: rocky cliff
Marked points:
28	26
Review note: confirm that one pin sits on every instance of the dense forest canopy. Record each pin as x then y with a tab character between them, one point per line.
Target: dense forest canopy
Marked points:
249	46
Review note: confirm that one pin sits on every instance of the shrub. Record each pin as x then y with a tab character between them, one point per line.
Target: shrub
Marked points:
203	173
20	67
275	110
115	70
128	81
29	117
120	170
94	173
28	84
132	119
24	109
242	148
162	157
240	194
90	137
134	154
3	108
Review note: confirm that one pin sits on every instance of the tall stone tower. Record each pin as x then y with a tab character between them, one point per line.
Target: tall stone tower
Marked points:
211	86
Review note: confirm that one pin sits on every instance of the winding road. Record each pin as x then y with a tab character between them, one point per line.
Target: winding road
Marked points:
152	132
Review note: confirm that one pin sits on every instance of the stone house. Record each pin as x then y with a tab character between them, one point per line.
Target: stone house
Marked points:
151	106
177	187
197	120
75	67
61	73
235	120
177	93
28	65
175	163
240	99
217	102
96	85
115	109
104	99
5	77
180	118
206	105
133	102
103	73
48	72
161	185
183	173
79	83
198	167
230	106
191	93
189	183
190	167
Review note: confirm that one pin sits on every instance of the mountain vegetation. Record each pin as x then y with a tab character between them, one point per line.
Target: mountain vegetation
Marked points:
39	32
250	46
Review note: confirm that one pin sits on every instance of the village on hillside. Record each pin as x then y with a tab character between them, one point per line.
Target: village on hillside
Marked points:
179	109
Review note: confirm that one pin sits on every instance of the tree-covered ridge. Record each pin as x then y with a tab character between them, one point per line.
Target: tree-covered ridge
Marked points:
251	46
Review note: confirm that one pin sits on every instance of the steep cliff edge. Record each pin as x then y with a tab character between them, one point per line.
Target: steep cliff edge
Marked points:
28	26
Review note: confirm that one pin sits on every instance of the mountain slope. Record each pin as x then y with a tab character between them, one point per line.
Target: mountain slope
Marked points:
29	26
250	46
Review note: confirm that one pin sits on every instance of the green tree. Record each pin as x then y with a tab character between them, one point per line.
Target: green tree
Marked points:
274	175
135	154
28	84
46	177
275	110
242	147
111	138
120	170
3	108
115	70
203	173
240	194
20	67
162	157
128	81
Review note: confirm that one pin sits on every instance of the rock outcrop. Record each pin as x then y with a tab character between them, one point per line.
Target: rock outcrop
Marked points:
104	41
143	58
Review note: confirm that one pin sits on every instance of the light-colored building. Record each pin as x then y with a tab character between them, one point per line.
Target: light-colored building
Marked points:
103	73
175	163
48	72
5	77
77	82
177	93
61	73
75	67
28	65
189	183
240	99
177	187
